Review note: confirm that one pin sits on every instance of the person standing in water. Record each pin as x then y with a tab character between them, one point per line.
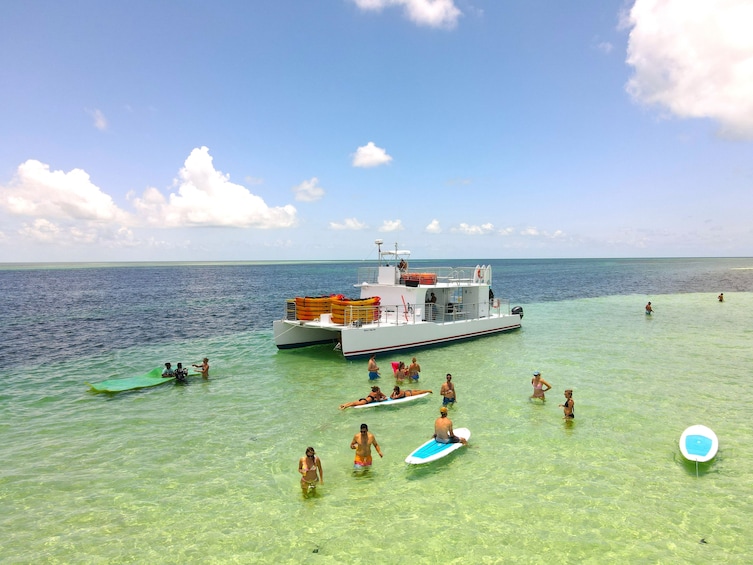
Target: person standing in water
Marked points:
414	370
203	368
569	406
362	443
448	391
538	386
649	309
310	468
721	297
373	369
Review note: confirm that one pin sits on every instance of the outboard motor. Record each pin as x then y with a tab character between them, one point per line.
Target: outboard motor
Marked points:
517	310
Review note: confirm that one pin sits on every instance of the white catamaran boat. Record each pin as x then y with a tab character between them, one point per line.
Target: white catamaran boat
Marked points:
399	308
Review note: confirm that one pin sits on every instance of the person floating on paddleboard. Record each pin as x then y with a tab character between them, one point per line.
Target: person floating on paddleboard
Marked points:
443	432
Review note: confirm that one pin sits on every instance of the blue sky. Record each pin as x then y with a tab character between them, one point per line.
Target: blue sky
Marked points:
281	129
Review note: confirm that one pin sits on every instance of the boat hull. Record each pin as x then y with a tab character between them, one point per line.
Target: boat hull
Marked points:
292	335
368	339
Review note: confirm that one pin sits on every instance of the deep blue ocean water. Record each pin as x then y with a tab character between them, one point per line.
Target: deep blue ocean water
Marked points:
50	313
207	472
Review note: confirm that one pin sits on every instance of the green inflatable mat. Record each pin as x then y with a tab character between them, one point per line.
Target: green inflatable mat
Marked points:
152	378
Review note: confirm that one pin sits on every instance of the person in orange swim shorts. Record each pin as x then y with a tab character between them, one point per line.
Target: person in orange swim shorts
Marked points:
362	443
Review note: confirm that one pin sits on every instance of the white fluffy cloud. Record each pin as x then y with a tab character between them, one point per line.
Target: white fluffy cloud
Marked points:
309	191
391	225
433	227
36	191
370	155
206	197
432	13
348	224
695	58
467	229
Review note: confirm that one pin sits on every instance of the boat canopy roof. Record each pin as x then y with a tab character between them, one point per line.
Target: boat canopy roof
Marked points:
397	252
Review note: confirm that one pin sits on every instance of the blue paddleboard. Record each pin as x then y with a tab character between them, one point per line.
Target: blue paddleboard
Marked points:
432	450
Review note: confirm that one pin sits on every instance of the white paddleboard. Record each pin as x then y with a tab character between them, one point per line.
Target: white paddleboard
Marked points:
392	401
699	443
432	450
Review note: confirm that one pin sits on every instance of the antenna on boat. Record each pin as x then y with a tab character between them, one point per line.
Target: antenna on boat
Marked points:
379	243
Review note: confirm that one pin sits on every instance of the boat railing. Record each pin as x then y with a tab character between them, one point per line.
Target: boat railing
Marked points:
422	275
402	314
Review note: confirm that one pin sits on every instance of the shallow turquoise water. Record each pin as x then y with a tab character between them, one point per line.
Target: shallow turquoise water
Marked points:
207	472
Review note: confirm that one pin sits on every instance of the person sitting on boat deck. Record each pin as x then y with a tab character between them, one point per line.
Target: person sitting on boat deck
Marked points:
443	432
397	393
310	468
402	266
721	297
649	309
373	368
448	391
181	374
203	368
375	395
414	370
568	406
538	386
167	372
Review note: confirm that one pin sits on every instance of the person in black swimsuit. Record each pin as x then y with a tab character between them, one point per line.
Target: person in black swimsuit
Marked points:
397	393
375	395
569	405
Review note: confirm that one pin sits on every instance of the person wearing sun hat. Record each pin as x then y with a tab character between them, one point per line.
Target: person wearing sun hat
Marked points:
443	431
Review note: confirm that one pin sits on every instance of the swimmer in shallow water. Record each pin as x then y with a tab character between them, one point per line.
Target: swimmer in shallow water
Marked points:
568	406
310	468
538	386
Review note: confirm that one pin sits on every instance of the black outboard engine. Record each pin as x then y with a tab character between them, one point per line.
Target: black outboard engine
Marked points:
517	310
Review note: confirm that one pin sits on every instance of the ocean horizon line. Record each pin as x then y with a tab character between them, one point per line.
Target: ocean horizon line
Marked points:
241	262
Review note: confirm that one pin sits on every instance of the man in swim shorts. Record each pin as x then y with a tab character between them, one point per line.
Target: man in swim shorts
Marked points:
448	391
362	443
443	432
373	369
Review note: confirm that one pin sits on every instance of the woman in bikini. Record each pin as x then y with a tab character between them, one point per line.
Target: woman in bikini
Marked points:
375	395
568	406
310	468
397	393
538	386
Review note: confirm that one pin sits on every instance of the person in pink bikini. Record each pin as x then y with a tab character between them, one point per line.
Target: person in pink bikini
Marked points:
538	386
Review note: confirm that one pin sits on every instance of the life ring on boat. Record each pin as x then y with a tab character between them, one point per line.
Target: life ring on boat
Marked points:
478	274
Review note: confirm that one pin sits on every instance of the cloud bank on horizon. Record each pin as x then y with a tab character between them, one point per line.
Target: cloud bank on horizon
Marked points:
684	60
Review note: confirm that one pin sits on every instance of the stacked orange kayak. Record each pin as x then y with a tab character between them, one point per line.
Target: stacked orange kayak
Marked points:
310	308
347	311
